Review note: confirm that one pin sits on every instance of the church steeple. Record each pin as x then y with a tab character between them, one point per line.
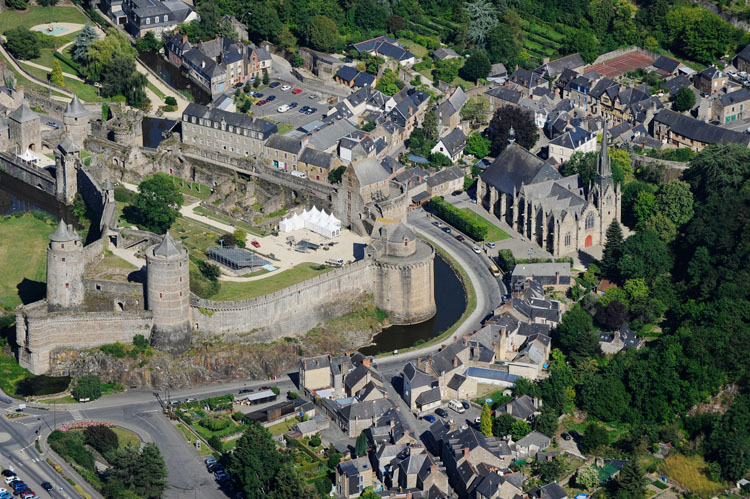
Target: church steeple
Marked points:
604	168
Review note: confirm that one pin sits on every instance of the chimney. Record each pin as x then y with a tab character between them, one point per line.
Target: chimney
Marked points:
455	339
466	453
557	277
419	359
455	361
366	362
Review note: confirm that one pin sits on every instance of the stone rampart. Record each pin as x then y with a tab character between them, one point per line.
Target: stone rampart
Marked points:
38	332
290	311
28	172
113	287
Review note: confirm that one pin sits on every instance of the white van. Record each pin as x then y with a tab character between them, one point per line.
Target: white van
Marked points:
299	174
456	406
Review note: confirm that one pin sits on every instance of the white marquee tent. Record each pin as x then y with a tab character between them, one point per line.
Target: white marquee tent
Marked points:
315	220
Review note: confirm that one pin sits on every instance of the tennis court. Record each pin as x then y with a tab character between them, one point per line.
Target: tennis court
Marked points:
621	65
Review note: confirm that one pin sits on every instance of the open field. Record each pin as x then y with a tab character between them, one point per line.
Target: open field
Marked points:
691	471
23	257
231	291
39	15
494	233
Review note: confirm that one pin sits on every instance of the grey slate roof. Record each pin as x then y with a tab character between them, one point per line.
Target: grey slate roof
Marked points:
23	113
347	73
167	248
316	158
67	145
673	85
521	407
556	67
498	70
699	130
369	172
741	95
744	54
666	64
237	120
711	73
61	234
428	397
505	94
364	80
318	362
516	166
366	410
286	144
444	53
534	438
416	377
549	491
75	108
455	141
526	78
573	139
456	381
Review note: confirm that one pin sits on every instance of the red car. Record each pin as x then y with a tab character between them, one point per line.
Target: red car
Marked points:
255	243
297	91
261	102
460	238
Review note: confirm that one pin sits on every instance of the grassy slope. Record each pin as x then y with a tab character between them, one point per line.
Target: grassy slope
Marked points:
242	290
691	471
40	15
22	255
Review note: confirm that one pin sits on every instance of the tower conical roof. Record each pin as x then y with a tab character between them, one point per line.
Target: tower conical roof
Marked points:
167	248
61	234
23	113
75	108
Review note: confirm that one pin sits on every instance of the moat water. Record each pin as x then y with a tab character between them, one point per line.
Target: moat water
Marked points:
173	76
450	299
19	197
153	128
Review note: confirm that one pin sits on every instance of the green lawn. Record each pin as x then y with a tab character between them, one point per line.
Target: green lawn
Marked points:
47	58
191	189
27	83
494	233
11	374
231	291
40	15
204	450
126	438
460	81
413	47
84	91
155	90
195	236
228	220
692	472
23	255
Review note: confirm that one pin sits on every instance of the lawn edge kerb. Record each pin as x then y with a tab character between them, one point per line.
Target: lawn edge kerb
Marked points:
471	300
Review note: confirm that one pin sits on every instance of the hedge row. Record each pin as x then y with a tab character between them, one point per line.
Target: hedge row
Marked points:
67	60
545	33
458	219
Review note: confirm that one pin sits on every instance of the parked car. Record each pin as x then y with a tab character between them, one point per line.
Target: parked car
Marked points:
284	108
274	84
476	250
447	230
8	473
239	84
53	125
210	460
271	98
255	243
456	193
10	479
441	412
312	96
461	238
292	105
297	91
311	111
304	108
490	245
246	390
284	88
437	224
466	405
261	102
566	436
6	495
429	418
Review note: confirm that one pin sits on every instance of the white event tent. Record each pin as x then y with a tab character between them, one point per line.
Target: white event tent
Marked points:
315	220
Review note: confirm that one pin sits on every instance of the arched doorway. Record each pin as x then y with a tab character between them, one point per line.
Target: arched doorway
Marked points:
588	242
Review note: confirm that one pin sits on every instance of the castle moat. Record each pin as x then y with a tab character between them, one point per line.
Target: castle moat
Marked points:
18	197
450	299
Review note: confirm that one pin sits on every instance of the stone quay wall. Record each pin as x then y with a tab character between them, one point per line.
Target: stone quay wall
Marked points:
29	173
290	311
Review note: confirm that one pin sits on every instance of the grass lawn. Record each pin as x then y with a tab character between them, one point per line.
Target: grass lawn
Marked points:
195	236
228	220
415	48
155	90
40	15
615	431
231	291
23	255
121	220
47	58
203	451
84	91
690	471
494	233
11	374
126	438
22	80
497	397
460	81
191	189
68	399
284	128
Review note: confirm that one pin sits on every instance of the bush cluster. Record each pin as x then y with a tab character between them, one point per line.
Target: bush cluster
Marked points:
458	219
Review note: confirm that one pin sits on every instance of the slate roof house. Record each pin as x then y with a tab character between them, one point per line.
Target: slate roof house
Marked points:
445	181
731	106
464	451
523	407
352	477
448	111
562	147
417	470
684	131
502	96
410	110
710	80
141	16
420	390
742	60
622	338
451	145
555	68
555	275
666	66
549	491
386	47
526	81
498	73
317	164
444	53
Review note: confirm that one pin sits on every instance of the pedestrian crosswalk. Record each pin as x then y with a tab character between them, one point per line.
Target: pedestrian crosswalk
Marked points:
76	415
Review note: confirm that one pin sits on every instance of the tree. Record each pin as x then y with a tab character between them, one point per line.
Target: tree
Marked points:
519	429
152	472
551	470
644	207
148	43
370	15
389	83
170	101
266	78
583	42
286	40
583	164
502	46
334	176
545	422
262	21
502	425
522	123
717	170
485	421
22	43
323	34
446	70
315	439
430	125
87	387
57	77
630	483
613	316
644	256
240	236
361	447
604	397
594	438
477	146
587	477
121	78
476	110
482	18
476	66
102	52
683	100
612	252
574	334
675	200
83	39
157	203
215	442
17	4
101	438
210	271
662	226
368	493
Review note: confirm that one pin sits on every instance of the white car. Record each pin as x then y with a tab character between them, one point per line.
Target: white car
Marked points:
491	245
476	250
10	479
284	88
283	109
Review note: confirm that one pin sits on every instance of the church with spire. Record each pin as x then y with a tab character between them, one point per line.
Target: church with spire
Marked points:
558	213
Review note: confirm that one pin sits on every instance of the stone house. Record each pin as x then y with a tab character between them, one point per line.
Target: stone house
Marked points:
228	133
283	152
388	48
346	75
710	80
502	96
523	407
445	181
742	60
410	111
496	485
731	106
449	111
666	66
531	444
315	373
679	130
418	471
548	275
526	81
444	53
352	477
562	147
353	416
579	90
624	337
451	145
463	451
549	491
553	69
498	73
25	130
415	382
317	165
141	16
450	360
461	387
258	61
360	376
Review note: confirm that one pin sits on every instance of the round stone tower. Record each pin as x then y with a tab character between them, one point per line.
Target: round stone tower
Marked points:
77	120
404	274
65	266
168	295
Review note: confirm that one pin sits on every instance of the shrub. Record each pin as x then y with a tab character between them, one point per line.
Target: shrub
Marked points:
215	442
122	195
116	350
88	387
315	440
458	219
238	416
215	423
170	101
101	438
70	446
140	342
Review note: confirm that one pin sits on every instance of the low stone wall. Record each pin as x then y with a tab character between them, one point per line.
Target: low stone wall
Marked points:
114	287
290	311
623	51
28	173
93	253
79	330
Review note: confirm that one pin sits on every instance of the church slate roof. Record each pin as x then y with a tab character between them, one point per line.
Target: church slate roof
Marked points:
515	167
23	113
75	108
167	248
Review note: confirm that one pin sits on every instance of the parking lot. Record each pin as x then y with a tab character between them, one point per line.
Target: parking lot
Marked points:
293	116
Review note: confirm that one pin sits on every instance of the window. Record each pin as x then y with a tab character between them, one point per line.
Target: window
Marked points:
63	259
165	18
148	20
62	245
160	296
567	239
590	221
67	285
